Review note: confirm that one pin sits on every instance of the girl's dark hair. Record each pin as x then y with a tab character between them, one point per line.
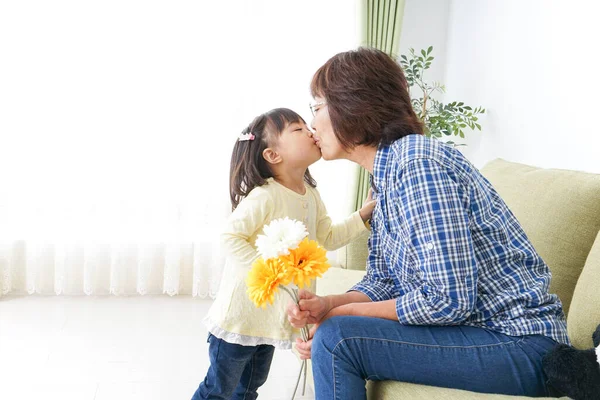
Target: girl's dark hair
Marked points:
248	168
367	98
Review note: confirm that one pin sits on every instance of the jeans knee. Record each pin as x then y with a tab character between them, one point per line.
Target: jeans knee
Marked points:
329	334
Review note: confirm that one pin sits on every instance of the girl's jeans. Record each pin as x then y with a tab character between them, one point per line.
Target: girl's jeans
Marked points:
235	372
348	350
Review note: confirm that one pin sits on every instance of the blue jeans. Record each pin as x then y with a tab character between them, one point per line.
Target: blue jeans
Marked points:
235	372
348	350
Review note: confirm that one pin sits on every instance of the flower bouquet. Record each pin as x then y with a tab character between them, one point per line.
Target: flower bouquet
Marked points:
288	259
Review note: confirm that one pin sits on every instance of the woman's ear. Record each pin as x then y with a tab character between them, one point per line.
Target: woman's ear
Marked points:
271	156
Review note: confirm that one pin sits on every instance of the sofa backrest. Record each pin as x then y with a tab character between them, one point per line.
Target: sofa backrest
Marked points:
354	255
559	211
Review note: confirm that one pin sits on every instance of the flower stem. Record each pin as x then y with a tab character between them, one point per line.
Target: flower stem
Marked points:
302	368
305	373
304	332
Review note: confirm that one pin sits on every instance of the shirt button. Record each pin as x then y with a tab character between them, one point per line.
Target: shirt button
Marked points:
419	274
305	205
429	246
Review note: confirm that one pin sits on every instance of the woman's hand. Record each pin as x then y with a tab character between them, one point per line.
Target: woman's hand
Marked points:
311	309
366	211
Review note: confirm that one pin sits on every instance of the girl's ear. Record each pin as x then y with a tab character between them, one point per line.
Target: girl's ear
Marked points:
271	156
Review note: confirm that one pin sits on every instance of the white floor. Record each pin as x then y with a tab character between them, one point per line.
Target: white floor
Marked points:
112	348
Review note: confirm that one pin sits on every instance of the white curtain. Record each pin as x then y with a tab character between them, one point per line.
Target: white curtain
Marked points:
117	120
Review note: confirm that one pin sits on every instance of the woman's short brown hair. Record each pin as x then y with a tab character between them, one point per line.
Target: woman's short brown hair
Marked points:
367	98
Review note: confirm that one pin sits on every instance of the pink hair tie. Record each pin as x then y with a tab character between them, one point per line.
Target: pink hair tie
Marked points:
246	136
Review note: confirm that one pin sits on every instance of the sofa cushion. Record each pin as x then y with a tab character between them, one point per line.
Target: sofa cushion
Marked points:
584	316
392	390
559	211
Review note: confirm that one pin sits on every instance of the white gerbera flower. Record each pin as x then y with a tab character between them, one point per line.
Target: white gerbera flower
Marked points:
279	237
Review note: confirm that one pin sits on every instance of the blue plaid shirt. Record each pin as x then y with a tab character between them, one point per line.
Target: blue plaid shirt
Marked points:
448	249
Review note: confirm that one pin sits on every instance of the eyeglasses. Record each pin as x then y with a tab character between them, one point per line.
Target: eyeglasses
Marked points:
313	107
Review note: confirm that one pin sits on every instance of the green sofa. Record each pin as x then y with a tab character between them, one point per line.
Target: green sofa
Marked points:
560	212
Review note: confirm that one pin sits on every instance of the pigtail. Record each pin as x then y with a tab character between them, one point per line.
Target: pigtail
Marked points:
248	168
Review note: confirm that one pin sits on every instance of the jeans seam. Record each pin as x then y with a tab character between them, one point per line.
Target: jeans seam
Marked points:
251	375
216	358
334	375
426	345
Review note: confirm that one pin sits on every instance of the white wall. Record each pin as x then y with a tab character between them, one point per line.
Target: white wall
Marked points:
425	24
532	65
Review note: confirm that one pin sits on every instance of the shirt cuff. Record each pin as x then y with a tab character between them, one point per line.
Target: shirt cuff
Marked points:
374	290
413	309
410	310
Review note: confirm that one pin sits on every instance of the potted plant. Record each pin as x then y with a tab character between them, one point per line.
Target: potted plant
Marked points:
439	119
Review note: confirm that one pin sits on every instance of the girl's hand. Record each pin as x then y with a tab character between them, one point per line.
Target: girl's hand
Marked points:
311	310
366	211
304	348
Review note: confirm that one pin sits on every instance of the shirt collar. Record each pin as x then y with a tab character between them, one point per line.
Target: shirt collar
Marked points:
379	166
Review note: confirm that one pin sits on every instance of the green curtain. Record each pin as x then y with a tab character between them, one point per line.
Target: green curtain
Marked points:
381	22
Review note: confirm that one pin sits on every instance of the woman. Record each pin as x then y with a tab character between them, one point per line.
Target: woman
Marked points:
454	295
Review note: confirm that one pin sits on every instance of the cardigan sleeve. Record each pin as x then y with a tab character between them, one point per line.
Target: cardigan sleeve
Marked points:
247	219
333	236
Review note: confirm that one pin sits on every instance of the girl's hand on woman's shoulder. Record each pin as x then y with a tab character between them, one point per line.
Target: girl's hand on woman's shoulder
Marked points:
366	211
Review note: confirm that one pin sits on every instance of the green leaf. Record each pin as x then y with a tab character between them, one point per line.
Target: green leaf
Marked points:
430	49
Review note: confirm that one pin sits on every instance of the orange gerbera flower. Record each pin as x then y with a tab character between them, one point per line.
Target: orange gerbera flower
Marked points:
308	261
264	279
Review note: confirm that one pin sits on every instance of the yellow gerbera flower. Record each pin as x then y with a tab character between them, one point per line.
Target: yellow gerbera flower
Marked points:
308	261
264	279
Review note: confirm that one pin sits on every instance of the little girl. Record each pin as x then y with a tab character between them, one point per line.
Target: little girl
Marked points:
269	179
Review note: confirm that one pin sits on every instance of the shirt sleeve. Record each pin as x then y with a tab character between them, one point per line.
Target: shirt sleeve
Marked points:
249	217
333	236
434	206
377	284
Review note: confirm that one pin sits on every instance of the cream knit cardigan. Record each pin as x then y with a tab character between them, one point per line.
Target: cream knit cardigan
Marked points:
233	317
